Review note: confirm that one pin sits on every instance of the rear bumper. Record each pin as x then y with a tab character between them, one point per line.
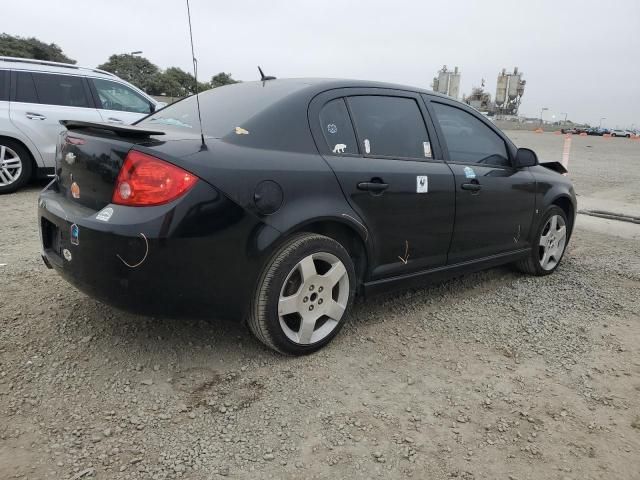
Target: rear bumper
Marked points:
197	256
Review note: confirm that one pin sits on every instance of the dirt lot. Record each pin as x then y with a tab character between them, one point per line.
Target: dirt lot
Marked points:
493	375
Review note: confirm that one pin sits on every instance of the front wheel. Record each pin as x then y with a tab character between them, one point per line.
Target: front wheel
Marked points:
303	295
549	244
15	166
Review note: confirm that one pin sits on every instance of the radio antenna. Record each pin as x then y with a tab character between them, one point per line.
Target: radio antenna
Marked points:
195	73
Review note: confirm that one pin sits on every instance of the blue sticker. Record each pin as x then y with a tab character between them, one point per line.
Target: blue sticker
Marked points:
469	172
75	234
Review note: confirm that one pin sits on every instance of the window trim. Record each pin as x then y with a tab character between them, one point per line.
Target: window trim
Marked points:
509	147
389	157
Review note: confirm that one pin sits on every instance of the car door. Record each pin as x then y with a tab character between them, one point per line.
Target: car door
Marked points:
40	100
119	103
495	202
389	173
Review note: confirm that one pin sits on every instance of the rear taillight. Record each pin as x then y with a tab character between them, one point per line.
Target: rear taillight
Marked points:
145	180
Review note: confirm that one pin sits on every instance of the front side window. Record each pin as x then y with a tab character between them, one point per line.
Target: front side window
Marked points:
25	88
336	127
115	96
65	90
469	139
390	127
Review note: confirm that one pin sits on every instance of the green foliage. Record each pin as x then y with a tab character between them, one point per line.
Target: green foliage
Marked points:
14	46
222	79
137	70
175	82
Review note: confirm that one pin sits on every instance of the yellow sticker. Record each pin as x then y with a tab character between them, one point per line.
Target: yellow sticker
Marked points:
241	131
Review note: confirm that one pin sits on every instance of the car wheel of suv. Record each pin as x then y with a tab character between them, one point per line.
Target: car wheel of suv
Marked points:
304	295
549	246
15	166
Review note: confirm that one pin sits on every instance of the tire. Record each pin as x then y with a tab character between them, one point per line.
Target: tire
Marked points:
547	252
284	300
16	166
613	134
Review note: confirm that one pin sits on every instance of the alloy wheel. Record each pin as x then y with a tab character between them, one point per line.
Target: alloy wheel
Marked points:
10	166
552	242
313	298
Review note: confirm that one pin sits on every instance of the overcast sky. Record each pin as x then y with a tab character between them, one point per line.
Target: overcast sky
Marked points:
580	57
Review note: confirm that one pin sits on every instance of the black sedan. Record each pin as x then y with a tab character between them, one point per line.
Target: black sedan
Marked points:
290	198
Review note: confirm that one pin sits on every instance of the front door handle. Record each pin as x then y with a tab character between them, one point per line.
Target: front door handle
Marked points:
35	116
474	187
375	187
114	120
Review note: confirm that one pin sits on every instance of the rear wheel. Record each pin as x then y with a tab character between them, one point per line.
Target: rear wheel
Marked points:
15	166
303	295
549	245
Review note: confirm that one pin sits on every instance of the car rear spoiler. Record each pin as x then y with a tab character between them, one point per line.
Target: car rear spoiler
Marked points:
119	129
555	166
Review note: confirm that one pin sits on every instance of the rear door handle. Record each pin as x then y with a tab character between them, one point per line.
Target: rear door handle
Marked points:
376	187
114	120
35	116
474	187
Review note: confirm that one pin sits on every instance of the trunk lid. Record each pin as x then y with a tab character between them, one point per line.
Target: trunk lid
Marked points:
90	155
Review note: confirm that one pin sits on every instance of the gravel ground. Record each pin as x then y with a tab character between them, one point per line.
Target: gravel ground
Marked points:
492	375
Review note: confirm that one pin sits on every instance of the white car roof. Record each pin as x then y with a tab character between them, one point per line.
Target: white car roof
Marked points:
51	67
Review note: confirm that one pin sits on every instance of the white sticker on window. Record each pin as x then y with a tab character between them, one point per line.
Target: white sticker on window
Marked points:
422	184
339	148
367	146
427	149
332	128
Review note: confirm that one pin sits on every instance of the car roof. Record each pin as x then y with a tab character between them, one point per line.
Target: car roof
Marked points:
34	65
313	86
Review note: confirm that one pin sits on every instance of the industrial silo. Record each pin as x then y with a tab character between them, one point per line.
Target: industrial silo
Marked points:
454	83
501	88
514	83
443	81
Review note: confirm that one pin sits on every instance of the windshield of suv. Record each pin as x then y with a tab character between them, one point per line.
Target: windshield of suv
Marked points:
223	108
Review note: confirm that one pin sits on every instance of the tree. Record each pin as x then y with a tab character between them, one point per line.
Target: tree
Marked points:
14	46
222	79
175	82
136	70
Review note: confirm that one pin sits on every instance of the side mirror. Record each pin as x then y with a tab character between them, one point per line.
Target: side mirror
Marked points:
152	107
526	157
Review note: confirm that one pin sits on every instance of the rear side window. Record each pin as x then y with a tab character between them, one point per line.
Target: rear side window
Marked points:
225	109
390	127
65	90
115	96
469	139
336	127
4	85
25	88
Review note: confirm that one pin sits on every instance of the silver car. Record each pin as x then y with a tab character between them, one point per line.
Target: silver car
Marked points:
35	95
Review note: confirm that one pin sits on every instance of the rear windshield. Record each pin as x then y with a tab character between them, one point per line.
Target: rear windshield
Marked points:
223	108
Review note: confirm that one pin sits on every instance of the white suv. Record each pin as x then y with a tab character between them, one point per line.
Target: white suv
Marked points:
35	95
